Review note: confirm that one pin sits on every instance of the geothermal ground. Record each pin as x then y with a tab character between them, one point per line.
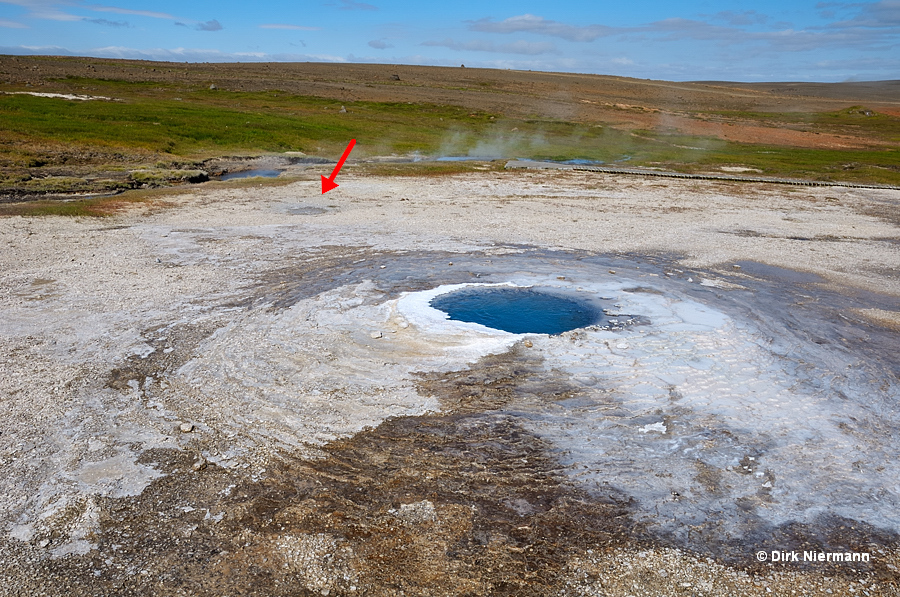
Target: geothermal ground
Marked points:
243	391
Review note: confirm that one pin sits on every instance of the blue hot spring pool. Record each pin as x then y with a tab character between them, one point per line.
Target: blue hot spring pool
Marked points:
517	310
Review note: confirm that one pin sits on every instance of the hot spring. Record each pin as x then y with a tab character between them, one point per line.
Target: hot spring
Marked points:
518	310
726	407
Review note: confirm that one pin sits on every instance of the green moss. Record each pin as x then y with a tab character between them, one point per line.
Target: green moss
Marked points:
49	185
91	208
161	176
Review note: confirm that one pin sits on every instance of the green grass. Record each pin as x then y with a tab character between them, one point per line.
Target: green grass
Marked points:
181	128
863	166
855	121
176	126
203	122
90	208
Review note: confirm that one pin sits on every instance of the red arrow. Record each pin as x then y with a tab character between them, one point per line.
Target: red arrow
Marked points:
328	183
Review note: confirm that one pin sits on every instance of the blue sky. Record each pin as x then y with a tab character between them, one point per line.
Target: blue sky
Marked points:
692	40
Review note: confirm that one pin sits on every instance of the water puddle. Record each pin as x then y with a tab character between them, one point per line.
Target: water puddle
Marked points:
306	210
260	173
467	158
579	162
490	158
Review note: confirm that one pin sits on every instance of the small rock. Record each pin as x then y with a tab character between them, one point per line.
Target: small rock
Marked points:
375	335
736	266
200	464
213	87
528	343
395	77
451	263
44	542
186	427
612	271
417	512
343	110
560	277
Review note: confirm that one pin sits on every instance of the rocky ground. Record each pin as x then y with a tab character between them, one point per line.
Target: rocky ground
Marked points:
228	392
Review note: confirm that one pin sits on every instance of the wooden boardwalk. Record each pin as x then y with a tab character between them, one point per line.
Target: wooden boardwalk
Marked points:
667	174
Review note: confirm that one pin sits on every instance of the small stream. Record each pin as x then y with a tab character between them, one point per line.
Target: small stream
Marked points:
259	173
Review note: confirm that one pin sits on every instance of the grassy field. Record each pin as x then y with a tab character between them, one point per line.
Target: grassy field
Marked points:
204	123
52	146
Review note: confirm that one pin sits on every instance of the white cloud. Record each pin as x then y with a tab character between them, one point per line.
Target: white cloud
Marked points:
12	24
40	50
516	47
529	23
870	26
127	11
107	23
54	9
53	15
677	28
289	27
744	17
212	25
170	54
353	5
883	14
379	44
